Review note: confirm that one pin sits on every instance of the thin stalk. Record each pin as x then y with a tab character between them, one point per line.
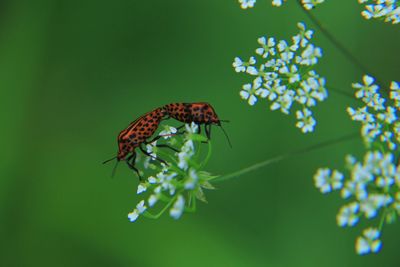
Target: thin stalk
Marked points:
341	92
337	44
284	156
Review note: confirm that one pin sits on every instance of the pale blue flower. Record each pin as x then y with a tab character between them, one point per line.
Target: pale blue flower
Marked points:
367	89
238	65
310	4
395	93
242	66
373	203
309	56
304	35
141	188
249	91
305	120
284	101
386	10
247	3
327	181
140	208
192	179
348	215
267	46
152	200
285	76
152	150
277	2
369	241
186	154
178	207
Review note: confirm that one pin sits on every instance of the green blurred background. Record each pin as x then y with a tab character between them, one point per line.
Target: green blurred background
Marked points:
74	73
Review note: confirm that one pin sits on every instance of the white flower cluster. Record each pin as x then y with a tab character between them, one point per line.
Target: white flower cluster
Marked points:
380	125
307	4
177	185
387	10
283	74
372	189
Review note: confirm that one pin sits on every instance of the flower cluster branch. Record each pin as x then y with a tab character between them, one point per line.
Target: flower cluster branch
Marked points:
371	187
181	180
283	74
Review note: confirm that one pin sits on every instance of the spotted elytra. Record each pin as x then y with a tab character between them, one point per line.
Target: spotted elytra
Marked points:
136	135
200	113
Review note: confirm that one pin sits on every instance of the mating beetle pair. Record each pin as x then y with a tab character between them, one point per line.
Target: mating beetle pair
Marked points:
139	132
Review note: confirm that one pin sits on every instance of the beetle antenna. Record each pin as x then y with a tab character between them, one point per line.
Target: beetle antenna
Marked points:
224	120
226	135
115	166
114	169
109	160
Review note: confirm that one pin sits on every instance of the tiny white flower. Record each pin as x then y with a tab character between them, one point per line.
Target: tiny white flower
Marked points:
310	55
178	207
348	215
192	179
191	128
238	65
247	3
267	47
306	122
284	102
304	35
186	154
277	2
373	203
369	241
132	216
389	116
152	200
242	66
152	180
367	89
140	208
310	4
152	150
326	181
249	92
141	188
395	93
386	10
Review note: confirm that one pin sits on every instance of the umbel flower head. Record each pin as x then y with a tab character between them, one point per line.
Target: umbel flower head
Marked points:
371	187
378	116
177	185
283	74
307	4
386	10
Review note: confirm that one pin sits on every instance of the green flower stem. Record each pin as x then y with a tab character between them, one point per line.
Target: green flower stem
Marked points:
382	221
337	44
209	152
342	92
284	156
192	204
158	215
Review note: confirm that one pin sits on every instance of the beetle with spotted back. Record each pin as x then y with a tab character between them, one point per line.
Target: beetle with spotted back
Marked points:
201	113
136	135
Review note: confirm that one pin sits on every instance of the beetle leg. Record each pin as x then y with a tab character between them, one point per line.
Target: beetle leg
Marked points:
154	139
156	158
130	161
208	131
